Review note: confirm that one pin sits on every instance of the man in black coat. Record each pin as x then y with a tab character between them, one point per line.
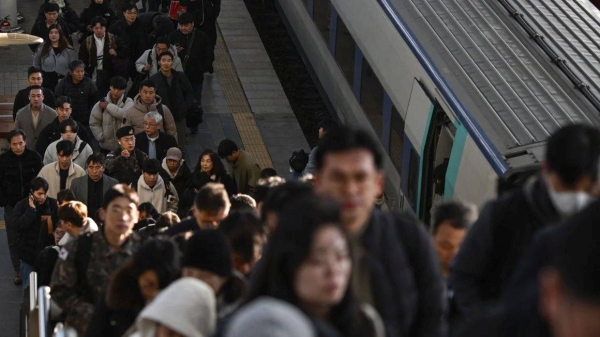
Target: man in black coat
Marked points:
132	32
40	28
505	230
395	266
34	77
18	166
27	217
152	141
81	90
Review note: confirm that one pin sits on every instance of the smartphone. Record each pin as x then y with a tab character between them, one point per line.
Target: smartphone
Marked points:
33	197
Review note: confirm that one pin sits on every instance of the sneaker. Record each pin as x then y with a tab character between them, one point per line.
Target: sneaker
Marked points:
18	280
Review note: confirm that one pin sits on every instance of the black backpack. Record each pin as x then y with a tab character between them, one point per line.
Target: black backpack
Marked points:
298	160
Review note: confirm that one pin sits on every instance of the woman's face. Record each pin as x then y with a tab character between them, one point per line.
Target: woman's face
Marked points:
149	285
322	279
206	164
53	35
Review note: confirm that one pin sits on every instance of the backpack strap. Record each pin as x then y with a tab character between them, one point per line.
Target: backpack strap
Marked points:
82	146
160	110
82	260
189	50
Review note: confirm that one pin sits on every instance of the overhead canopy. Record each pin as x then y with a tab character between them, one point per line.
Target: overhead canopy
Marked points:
13	39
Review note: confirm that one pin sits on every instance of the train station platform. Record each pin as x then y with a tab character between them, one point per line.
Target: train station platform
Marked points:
243	100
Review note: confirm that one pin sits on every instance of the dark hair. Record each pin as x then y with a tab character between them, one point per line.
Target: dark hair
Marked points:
36	87
118	82
14	133
74	212
227	147
50	7
149	209
147	83
66	147
37	183
120	190
163	40
212	198
244	231
263	186
328	124
129	6
280	196
33	70
218	167
98	20
76	64
573	152
167	219
160	255
242	202
289	248
458	215
267	173
62	127
344	139
97	157
165	53
61	100
64	196
63	43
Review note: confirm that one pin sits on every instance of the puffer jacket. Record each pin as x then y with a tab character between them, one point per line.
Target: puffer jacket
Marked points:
16	173
161	198
134	116
28	222
83	96
52	62
134	37
104	124
143	60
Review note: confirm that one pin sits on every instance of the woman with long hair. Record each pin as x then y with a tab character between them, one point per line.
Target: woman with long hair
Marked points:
54	56
210	163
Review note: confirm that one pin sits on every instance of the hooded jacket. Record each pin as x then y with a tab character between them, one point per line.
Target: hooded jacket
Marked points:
134	116
89	226
51	133
83	96
79	157
53	62
158	195
16	173
28	221
51	173
151	53
180	178
104	124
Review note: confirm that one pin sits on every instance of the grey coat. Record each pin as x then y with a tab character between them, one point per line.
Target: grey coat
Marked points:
25	123
79	186
57	63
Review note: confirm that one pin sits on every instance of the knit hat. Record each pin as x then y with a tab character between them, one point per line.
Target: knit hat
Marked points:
125	131
174	154
208	250
151	166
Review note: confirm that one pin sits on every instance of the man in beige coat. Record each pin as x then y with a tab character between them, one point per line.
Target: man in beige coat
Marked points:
147	101
60	174
35	116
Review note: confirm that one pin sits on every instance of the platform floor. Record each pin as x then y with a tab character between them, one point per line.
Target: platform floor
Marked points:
243	100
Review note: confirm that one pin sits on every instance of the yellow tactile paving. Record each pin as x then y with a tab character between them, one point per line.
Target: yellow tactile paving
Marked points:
2	225
238	104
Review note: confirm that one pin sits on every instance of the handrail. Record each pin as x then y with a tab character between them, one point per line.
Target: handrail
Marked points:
493	156
43	310
32	290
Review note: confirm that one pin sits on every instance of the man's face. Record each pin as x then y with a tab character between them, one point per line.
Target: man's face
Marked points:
115	93
151	127
99	30
208	220
51	17
35	79
69	134
147	95
64	161
78	74
64	112
150	178
120	216
95	171
36	97
351	178
39	196
17	145
447	241
173	164
165	63
186	28
130	15
161	48
232	157
127	143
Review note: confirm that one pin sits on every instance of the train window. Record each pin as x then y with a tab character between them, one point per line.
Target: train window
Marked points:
396	139
345	50
413	176
322	17
371	97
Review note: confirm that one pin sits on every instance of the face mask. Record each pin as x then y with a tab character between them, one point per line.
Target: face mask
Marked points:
569	203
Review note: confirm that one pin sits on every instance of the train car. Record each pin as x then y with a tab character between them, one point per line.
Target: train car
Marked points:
458	91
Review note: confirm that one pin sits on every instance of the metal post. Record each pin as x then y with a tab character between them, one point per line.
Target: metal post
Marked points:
9	8
43	310
32	288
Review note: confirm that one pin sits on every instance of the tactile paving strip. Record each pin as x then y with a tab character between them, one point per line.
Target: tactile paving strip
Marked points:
238	104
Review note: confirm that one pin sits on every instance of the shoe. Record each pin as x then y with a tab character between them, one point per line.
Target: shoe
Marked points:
18	280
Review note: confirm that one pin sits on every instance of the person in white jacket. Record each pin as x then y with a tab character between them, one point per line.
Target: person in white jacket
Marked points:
73	216
68	131
107	114
147	63
152	188
61	173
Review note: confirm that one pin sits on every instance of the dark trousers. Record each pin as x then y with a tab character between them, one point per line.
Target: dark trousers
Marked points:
12	235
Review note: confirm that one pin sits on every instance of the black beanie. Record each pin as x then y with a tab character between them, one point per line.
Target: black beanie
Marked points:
209	250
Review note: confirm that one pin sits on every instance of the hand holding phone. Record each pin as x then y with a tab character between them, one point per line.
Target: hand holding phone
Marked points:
32	202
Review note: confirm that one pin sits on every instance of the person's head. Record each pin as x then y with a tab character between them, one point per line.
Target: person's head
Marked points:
268	172
98	24
118	84
570	285
58	233
162	45
327	125
174	159
64	152
165	61
263	186
119	210
55	35
68	129
449	224
126	138
246	235
64	196
152	123
210	163
130	12
280	196
17	141
34	76
77	70
72	216
51	10
243	202
150	169
147	210
63	108
38	189
349	169
167	219
36	96
207	257
186	23
95	166
571	167
147	91
211	205
229	150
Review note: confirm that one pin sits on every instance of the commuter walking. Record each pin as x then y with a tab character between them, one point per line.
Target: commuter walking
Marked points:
152	141
60	174
125	163
81	90
34	77
33	118
54	56
243	167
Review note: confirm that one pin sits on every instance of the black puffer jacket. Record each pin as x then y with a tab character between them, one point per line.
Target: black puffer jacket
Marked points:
28	222
83	97
91	12
16	173
134	37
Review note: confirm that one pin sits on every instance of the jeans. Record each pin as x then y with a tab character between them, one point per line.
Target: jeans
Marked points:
26	269
12	236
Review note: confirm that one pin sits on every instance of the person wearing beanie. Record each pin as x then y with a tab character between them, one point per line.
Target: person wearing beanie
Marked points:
152	188
173	165
125	163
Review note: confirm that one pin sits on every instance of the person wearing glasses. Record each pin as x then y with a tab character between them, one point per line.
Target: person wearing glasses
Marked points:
152	141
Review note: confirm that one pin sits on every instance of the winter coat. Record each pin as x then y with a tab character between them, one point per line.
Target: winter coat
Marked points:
79	186
245	172
91	12
161	198
16	173
40	29
178	96
22	99
83	97
125	170
134	116
162	144
51	133
52	62
180	178
133	36
44	264
66	13
200	57
224	179
89	226
79	157
143	60
24	122
104	124
28	222
87	54
51	173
